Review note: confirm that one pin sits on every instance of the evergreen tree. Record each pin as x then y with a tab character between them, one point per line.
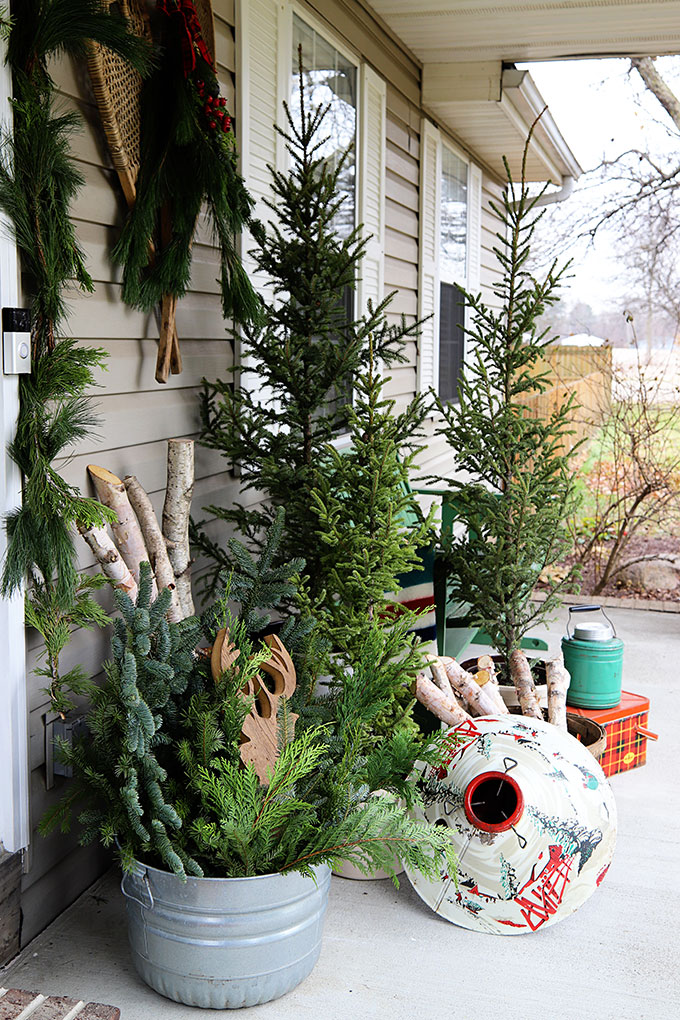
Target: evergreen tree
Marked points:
369	525
303	355
522	490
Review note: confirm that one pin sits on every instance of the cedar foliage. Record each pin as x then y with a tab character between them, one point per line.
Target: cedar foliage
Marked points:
161	775
522	493
303	354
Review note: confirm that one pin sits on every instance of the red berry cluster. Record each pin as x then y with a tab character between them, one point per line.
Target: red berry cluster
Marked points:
214	109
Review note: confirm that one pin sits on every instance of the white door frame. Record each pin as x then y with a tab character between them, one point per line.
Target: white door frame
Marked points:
14	773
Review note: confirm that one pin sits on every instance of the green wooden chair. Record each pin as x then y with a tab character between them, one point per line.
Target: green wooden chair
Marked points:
448	620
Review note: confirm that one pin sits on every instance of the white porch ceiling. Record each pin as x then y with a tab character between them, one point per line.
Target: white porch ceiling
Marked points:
441	31
490	110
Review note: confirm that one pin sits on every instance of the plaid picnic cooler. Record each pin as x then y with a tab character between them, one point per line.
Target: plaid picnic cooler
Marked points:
627	732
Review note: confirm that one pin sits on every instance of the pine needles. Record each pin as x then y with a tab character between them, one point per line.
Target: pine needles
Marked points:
38	183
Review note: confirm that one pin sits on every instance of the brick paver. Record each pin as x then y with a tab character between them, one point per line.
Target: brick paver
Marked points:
57	1007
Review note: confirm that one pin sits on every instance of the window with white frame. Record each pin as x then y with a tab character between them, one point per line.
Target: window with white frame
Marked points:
453	220
268	36
450	249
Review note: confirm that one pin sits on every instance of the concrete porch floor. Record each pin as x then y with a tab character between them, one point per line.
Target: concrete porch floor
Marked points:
385	955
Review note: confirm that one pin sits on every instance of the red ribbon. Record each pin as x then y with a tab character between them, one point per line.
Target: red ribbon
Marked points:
184	14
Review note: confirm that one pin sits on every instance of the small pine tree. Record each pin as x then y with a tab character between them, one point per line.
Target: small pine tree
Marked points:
369	526
522	493
305	351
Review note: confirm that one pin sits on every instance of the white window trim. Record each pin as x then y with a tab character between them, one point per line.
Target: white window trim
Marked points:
14	799
429	267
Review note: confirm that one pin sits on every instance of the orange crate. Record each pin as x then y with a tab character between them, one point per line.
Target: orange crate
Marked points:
627	732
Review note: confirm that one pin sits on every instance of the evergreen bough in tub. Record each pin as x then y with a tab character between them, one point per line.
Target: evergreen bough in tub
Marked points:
303	356
162	779
522	491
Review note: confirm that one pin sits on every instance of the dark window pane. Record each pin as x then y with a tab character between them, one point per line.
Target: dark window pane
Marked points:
451	339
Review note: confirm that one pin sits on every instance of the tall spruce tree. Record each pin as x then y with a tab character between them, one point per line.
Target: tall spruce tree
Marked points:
521	489
306	352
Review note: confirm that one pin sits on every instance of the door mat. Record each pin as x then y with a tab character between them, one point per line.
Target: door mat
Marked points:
16	1004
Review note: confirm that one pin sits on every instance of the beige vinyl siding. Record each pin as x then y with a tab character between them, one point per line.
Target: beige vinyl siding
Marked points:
137	416
402	179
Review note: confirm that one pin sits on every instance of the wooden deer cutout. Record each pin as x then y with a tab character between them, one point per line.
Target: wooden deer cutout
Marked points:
259	736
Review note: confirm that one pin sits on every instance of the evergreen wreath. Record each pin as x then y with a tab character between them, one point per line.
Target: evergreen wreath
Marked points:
38	182
188	158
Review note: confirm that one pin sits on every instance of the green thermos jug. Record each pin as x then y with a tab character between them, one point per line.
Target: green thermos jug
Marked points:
593	657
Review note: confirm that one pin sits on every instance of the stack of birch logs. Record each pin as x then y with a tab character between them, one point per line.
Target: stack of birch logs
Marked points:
454	695
137	535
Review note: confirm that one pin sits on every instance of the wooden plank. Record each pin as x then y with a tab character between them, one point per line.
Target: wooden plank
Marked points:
405	302
403	137
10	905
102	315
224	10
401	246
145	460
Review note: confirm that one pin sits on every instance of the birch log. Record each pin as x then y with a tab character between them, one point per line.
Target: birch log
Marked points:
520	671
484	700
445	708
110	560
558	680
155	543
440	678
486	663
126	531
175	523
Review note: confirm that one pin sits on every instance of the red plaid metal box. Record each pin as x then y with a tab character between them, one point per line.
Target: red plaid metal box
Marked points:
627	732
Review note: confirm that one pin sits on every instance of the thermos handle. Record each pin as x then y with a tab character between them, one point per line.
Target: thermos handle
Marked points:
588	609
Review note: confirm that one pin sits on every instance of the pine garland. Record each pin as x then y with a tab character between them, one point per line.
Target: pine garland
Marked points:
188	158
38	182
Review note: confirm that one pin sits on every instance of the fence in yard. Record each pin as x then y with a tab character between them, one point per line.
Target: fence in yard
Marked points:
585	372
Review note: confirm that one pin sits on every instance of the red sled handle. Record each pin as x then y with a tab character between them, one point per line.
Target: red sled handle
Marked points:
647	733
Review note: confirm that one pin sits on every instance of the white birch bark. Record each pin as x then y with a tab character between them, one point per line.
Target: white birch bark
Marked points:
483	700
520	671
175	522
558	680
445	708
126	531
155	543
110	560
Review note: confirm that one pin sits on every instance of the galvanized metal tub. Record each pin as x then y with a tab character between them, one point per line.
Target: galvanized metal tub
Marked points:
222	943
